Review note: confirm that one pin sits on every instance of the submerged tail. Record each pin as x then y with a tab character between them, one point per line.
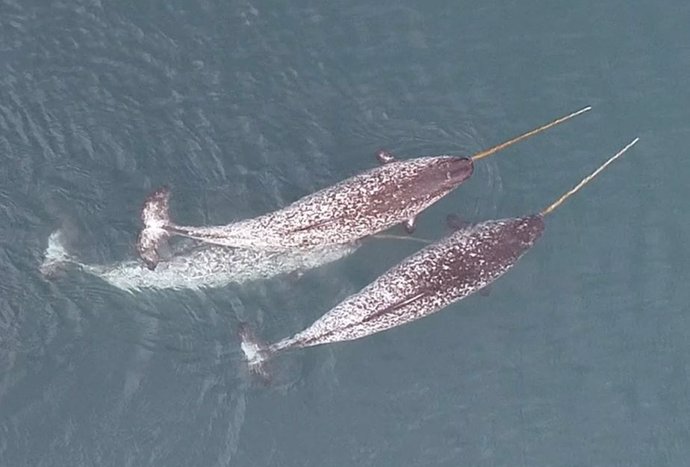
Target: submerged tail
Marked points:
56	255
156	217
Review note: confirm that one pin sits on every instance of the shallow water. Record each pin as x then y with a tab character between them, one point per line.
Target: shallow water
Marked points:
577	357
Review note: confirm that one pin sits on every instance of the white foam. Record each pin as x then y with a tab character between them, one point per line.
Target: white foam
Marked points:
55	254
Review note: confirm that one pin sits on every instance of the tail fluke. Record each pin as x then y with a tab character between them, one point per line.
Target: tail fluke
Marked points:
255	352
56	256
155	217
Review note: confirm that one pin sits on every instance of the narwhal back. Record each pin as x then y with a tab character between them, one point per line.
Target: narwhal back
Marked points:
427	281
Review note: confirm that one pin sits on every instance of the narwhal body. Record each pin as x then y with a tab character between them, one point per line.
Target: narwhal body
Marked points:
360	206
193	265
425	282
348	211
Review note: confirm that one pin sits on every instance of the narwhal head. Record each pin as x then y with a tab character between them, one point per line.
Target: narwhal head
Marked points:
455	170
442	174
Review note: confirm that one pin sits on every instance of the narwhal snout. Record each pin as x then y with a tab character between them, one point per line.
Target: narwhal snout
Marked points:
443	174
458	169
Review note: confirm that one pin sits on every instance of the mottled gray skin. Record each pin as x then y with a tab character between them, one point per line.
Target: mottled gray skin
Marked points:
195	266
440	274
425	282
363	205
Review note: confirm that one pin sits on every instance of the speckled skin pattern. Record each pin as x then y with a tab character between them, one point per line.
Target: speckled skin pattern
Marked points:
202	266
425	282
348	211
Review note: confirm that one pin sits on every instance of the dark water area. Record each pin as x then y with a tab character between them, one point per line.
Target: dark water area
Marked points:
577	357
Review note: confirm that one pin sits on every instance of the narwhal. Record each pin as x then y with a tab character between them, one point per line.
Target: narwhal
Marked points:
436	276
193	265
360	206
